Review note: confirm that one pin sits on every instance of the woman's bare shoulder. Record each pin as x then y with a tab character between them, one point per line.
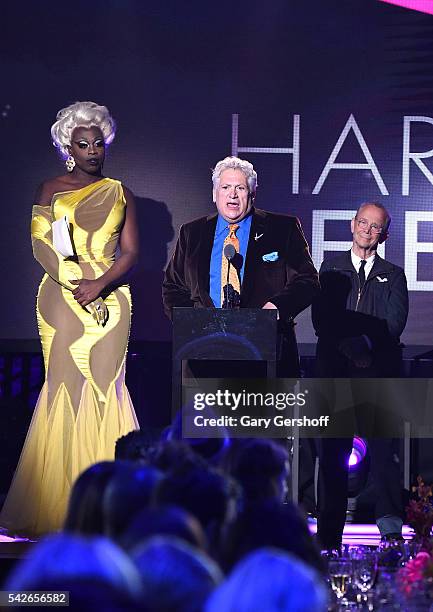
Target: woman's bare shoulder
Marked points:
46	190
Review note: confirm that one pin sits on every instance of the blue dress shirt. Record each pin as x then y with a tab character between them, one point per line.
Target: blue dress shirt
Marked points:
221	232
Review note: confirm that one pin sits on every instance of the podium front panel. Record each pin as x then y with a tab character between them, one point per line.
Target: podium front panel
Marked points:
246	334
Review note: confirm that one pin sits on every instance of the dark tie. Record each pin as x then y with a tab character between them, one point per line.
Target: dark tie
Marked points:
361	274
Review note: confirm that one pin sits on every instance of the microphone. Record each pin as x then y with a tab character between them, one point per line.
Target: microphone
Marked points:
229	251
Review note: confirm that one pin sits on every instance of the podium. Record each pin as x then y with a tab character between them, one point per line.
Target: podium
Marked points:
246	334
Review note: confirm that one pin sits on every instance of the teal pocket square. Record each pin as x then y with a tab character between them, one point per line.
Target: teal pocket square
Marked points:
270	256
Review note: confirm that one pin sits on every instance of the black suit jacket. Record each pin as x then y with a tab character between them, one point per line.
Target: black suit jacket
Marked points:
380	313
290	282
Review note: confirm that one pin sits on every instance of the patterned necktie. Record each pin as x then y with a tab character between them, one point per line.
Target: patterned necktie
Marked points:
233	290
361	274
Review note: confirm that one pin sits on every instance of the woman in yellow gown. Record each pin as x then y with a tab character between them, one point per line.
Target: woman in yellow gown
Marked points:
83	313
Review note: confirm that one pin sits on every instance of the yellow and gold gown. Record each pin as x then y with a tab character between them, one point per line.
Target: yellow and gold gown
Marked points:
84	405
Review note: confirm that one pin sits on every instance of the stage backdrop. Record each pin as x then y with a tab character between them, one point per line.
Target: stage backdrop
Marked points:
331	101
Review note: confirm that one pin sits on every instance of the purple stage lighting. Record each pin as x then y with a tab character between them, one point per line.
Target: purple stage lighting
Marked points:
359	450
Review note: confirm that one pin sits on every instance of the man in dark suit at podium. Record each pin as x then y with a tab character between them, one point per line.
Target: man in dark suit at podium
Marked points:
243	257
359	317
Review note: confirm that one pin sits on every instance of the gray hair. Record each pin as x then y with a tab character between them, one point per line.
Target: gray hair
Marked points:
235	163
81	114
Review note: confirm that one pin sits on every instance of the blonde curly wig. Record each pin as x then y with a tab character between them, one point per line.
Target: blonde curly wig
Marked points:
81	114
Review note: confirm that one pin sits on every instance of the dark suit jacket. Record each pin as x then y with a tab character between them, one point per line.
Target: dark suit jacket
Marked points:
290	282
380	313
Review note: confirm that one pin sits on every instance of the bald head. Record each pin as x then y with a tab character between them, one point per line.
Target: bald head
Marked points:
379	207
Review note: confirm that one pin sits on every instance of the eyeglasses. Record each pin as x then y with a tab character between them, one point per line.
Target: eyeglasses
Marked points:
365	225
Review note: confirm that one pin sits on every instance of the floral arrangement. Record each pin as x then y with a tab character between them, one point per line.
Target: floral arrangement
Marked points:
419	513
417	571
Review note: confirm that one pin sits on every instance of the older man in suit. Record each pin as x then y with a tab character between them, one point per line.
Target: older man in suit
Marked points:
359	316
271	265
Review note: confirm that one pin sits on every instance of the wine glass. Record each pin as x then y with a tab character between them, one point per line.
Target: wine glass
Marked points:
411	548
390	556
340	575
364	571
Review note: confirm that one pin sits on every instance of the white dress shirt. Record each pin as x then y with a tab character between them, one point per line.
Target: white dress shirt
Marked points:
356	262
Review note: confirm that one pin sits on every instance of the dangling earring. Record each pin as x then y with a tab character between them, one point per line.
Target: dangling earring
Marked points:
70	163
